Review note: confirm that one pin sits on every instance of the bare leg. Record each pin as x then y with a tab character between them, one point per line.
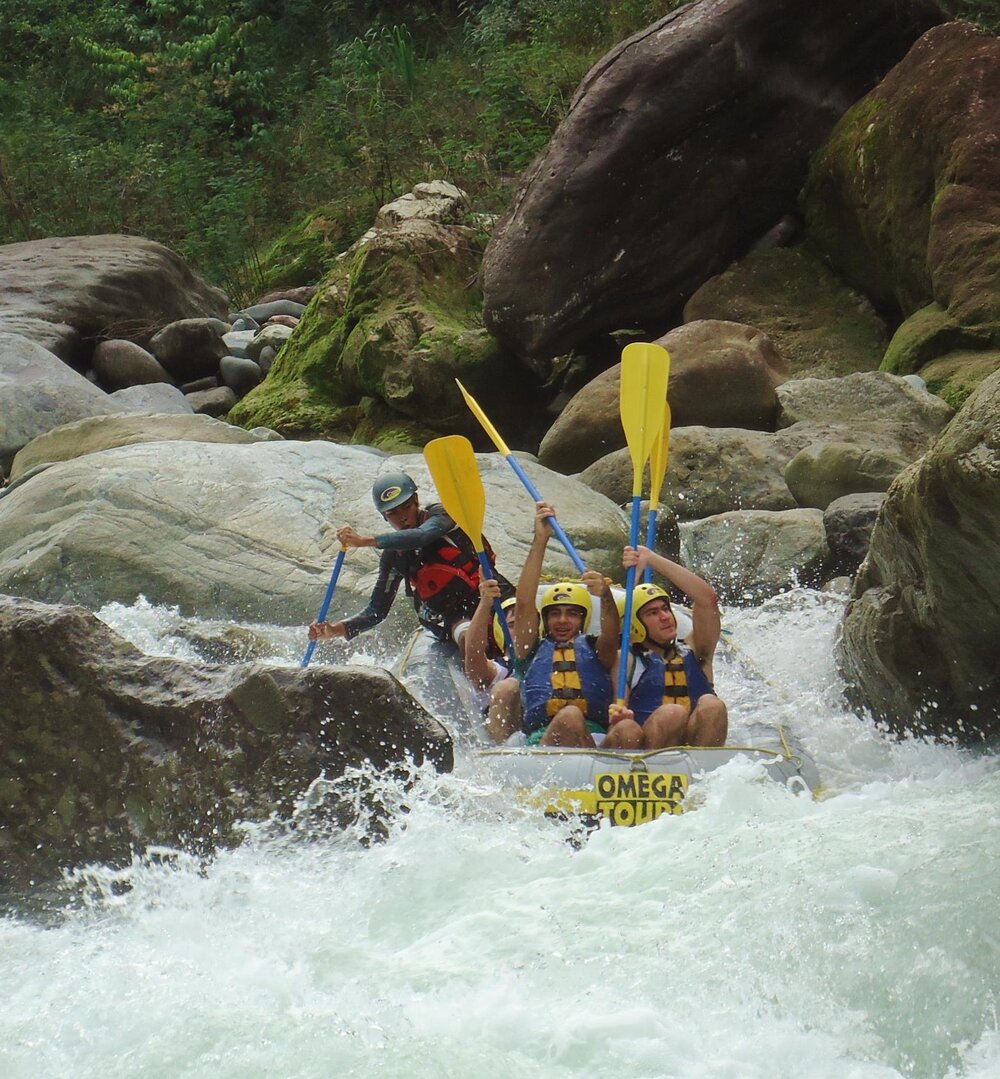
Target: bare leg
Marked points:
667	726
709	722
569	728
504	716
625	734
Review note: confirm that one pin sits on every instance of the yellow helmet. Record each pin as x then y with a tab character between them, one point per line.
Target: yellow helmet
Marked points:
644	593
507	606
571	594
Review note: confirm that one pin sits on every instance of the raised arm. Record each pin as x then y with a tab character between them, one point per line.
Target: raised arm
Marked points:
479	669
525	606
705	613
610	633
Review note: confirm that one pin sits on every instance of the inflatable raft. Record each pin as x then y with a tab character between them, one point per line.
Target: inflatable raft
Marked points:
625	787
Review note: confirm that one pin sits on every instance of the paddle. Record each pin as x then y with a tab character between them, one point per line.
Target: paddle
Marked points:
645	369
523	476
460	487
657	470
325	607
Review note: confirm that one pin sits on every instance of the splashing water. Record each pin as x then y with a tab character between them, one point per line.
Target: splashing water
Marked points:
762	935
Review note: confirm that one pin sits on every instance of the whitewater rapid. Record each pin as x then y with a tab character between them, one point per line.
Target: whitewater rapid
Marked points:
761	935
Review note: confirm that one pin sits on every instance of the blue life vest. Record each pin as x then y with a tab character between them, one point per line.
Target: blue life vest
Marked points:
679	680
561	675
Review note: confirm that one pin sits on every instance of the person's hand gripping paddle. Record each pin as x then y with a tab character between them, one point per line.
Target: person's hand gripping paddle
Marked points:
460	487
645	370
325	606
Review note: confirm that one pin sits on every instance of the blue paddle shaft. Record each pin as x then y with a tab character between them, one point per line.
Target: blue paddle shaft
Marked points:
487	569
325	607
629	599
523	476
650	542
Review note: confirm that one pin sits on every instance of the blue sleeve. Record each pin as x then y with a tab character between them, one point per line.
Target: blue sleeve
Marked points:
437	525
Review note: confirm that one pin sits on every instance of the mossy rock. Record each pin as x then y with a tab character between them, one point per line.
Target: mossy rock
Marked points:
904	199
927	334
822	328
405	325
955	376
308	250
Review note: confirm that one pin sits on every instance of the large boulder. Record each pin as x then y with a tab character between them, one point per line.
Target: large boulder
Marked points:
682	146
722	374
375	356
106	432
824	472
750	555
822	328
919	644
710	471
38	392
108	751
68	292
245	531
904	199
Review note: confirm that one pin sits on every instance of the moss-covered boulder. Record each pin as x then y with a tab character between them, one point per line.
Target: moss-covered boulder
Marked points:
919	643
822	327
376	353
905	197
956	375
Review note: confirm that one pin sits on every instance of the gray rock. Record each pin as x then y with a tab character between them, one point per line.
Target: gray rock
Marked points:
750	555
67	291
247	531
38	392
236	341
216	402
120	364
191	348
822	473
849	522
919	642
710	471
271	336
109	751
266	359
99	433
157	399
240	375
261	312
209	382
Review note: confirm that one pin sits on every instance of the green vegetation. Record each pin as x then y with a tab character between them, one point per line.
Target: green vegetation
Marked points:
218	126
222	126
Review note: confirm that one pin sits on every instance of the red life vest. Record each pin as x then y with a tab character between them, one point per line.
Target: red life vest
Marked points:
445	574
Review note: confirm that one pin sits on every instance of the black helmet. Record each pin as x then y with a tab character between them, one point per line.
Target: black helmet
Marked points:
392	490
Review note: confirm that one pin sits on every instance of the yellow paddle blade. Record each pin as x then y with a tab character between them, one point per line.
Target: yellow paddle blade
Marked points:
658	460
645	369
481	416
460	487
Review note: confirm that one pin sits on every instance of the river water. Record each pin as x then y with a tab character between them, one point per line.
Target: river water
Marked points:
761	935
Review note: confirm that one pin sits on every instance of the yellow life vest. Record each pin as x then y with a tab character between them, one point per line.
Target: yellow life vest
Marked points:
675	682
566	685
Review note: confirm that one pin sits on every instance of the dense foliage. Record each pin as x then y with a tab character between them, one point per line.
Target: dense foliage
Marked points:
213	125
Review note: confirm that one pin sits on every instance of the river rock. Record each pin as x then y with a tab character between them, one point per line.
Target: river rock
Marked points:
270	336
213	402
99	433
120	364
822	473
750	555
710	471
108	751
191	348
849	521
246	531
904	199
66	292
681	147
722	374
239	374
822	328
919	643
156	399
38	392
